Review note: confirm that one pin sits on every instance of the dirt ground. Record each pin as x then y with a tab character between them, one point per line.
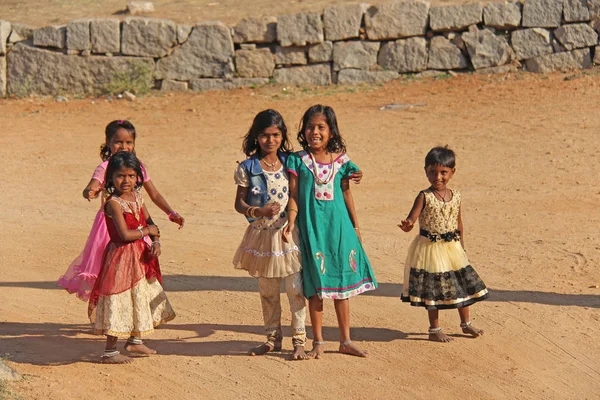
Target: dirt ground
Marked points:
528	165
49	12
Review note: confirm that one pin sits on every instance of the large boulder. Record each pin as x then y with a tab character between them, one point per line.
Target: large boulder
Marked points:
105	35
342	21
455	17
5	29
33	70
355	54
300	29
356	76
309	75
256	30
78	35
505	15
148	37
529	43
295	55
542	13
567	61
50	36
207	53
576	36
256	63
444	54
576	10
397	20
486	49
320	53
404	55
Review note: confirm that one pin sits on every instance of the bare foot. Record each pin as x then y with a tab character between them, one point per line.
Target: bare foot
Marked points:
262	349
298	353
139	349
352	349
436	335
317	350
471	330
118	359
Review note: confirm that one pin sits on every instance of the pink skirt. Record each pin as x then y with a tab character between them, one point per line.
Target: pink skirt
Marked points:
83	271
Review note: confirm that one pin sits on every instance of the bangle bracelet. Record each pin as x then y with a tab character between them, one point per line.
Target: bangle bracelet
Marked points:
357	229
253	212
141	230
248	212
292	209
156	241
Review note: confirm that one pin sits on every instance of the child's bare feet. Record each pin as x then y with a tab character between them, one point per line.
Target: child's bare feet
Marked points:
139	349
298	353
317	350
470	329
115	358
436	335
350	348
264	349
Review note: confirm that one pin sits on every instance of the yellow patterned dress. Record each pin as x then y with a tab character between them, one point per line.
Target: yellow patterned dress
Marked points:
437	273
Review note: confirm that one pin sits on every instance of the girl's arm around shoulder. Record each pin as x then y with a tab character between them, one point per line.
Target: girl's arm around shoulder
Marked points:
113	210
408	224
292	208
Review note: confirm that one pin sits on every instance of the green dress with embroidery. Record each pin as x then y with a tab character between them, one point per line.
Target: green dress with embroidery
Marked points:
334	263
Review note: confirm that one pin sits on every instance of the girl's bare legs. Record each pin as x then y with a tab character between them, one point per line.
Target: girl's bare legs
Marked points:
136	345
435	332
465	323
315	308
342	310
111	355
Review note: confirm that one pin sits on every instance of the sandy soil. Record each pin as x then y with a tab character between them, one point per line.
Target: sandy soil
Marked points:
49	12
527	168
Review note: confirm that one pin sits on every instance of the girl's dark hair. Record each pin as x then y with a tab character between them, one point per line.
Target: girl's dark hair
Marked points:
118	161
262	121
441	156
110	131
336	143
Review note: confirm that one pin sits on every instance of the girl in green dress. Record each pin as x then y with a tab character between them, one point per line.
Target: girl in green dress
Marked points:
335	265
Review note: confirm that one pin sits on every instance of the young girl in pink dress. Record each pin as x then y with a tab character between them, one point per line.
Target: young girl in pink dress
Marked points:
81	274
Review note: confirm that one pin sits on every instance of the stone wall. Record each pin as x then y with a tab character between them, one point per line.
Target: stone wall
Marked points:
345	44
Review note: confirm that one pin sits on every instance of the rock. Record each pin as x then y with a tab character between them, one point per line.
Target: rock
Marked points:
33	70
310	75
248	46
594	9
343	21
183	32
397	20
169	85
557	46
208	53
576	10
486	49
129	96
444	54
576	36
404	55
2	76
542	13
7	373
61	99
148	37
140	7
20	32
290	55
505	15
78	35
320	53
258	30
596	56
529	43
50	36
105	35
502	69
568	61
254	63
455	17
5	30
300	29
225	84
354	76
355	54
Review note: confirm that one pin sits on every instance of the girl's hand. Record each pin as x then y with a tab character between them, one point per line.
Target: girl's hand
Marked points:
153	231
287	231
356	177
155	248
406	225
269	211
94	192
178	219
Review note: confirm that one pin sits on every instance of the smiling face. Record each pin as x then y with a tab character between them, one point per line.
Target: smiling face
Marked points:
439	176
317	132
270	140
122	140
124	180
